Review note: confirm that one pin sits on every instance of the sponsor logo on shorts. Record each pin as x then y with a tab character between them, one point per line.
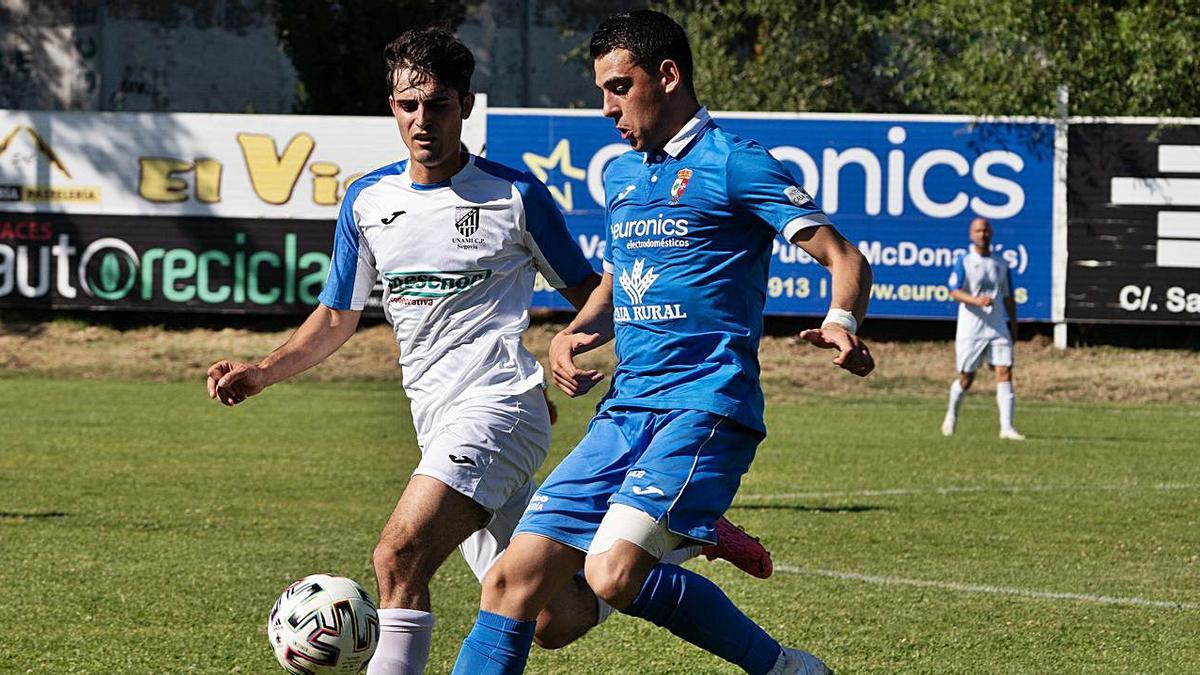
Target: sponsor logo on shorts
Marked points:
648	490
537	502
462	459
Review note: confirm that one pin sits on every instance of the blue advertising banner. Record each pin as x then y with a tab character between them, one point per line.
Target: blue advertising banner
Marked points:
903	188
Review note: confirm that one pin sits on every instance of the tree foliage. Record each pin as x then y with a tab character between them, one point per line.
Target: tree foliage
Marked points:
781	55
997	57
337	46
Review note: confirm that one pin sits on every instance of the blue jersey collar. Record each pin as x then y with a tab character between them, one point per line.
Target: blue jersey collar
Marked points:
440	184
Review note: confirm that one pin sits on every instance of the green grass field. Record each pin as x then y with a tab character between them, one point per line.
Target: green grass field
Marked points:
145	529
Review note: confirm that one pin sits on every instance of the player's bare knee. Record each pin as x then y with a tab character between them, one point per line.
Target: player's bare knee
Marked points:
612	580
1003	374
965	380
499	583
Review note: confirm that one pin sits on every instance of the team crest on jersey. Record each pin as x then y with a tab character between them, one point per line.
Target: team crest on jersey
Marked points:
466	220
680	184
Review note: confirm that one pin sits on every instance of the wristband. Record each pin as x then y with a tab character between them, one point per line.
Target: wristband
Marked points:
842	318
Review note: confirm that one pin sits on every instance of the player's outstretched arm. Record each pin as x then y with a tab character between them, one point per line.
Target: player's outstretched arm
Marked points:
321	334
851	292
591	327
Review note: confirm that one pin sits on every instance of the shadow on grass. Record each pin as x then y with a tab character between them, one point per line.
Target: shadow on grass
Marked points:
31	515
849	508
1078	437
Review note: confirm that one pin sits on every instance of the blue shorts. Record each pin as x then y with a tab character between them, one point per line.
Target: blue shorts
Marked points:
685	465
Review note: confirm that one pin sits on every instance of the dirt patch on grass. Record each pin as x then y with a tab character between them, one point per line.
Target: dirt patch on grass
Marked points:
791	370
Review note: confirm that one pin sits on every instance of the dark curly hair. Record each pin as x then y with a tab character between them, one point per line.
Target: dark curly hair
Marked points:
432	53
651	37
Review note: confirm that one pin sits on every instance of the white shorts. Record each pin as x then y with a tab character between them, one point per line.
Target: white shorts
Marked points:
489	449
969	354
482	549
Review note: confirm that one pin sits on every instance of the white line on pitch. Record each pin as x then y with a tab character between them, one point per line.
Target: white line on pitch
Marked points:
982	588
1114	409
964	489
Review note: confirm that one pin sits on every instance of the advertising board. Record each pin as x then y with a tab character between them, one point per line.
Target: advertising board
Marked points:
903	188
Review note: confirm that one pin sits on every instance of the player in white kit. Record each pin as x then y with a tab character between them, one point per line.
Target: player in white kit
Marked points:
987	322
457	242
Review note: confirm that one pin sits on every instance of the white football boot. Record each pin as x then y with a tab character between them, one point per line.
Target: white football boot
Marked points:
948	426
1011	435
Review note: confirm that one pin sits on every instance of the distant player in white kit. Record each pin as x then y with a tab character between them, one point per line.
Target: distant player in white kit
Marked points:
987	322
457	241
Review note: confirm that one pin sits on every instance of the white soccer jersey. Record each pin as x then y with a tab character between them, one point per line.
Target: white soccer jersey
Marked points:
458	261
982	275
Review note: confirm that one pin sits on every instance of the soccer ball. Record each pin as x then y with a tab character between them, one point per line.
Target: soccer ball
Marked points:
323	625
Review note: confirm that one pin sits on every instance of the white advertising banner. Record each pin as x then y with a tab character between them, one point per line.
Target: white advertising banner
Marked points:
191	164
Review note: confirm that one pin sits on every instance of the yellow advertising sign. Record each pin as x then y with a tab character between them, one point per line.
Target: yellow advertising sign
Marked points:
239	166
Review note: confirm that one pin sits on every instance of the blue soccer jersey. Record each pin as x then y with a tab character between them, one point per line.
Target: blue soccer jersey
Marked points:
689	234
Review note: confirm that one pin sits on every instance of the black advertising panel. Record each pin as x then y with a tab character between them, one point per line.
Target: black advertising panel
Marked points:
1133	223
65	261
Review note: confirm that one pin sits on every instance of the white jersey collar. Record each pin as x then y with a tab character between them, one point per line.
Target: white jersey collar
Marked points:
680	141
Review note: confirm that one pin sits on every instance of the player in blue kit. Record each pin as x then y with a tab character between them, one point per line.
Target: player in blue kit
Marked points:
456	241
691	218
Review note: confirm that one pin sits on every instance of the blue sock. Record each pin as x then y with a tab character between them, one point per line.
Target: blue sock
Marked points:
497	645
696	610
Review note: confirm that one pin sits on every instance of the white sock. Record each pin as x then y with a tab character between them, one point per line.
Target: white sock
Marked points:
956	399
1005	401
404	639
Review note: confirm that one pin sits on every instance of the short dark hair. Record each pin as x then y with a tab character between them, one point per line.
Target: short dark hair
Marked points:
432	53
651	37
